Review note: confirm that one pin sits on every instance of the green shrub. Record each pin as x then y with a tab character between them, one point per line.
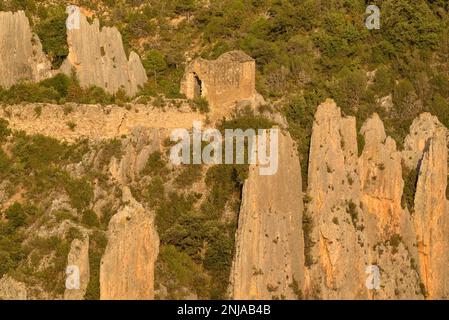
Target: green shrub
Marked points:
179	267
97	246
189	175
156	165
90	219
52	33
4	129
201	104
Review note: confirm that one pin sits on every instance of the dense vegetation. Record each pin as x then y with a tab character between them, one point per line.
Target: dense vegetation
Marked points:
305	51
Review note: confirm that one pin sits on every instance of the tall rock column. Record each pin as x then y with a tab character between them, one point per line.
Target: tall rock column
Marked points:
22	56
269	258
127	266
98	58
431	217
337	269
388	227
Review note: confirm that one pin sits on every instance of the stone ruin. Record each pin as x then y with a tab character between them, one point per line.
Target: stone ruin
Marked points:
225	81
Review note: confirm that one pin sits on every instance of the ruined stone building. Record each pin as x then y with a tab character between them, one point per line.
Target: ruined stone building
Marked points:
224	81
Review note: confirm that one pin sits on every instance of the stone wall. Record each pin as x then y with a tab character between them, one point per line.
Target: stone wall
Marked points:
93	121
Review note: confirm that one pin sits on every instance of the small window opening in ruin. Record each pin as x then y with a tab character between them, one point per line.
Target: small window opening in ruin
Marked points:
197	87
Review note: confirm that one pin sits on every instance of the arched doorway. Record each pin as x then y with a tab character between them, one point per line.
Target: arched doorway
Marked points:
197	86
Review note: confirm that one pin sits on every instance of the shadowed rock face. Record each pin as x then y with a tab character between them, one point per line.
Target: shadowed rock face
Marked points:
22	58
98	58
269	260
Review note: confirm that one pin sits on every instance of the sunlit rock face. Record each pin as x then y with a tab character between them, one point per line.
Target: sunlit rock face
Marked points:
98	58
22	58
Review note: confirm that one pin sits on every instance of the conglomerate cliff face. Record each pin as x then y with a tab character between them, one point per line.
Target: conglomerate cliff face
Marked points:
21	51
98	58
338	253
269	258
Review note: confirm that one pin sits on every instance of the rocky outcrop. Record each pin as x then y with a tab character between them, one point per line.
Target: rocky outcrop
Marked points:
269	258
11	289
388	227
406	248
421	130
21	51
98	58
382	184
431	217
338	253
127	266
79	258
137	148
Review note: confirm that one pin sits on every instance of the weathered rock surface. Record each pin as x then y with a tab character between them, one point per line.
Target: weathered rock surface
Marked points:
431	217
99	59
338	252
385	219
422	128
79	257
269	259
11	289
127	266
382	184
225	81
137	148
21	51
93	121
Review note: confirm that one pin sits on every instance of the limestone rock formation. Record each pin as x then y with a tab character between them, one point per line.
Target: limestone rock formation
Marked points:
422	128
269	259
338	253
11	289
388	227
137	148
431	217
21	50
224	81
79	257
98	58
127	266
382	184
